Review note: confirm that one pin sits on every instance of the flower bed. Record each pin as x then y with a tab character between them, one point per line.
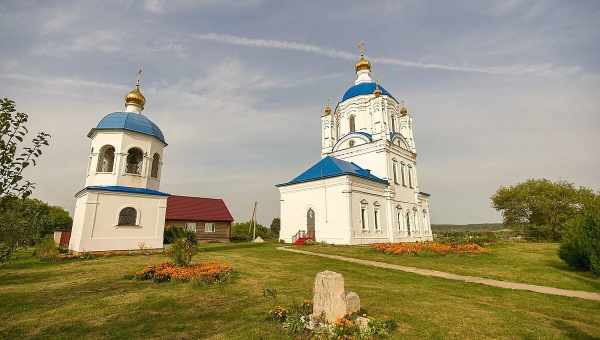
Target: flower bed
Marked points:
207	272
427	247
298	322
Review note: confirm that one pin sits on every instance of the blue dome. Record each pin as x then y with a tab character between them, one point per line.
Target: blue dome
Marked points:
364	89
130	121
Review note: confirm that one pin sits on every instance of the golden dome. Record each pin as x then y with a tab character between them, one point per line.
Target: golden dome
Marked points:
135	97
327	110
403	111
362	64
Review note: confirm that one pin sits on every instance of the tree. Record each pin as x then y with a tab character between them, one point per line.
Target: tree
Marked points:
15	158
18	217
243	231
541	205
276	227
580	246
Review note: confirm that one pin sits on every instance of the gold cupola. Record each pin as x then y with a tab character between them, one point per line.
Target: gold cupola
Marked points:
135	97
362	64
327	110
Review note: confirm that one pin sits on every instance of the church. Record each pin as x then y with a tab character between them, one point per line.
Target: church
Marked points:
365	187
121	207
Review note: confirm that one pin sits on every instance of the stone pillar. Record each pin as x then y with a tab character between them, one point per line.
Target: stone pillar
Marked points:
329	297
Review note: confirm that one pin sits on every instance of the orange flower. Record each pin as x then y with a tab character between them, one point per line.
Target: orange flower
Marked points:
434	247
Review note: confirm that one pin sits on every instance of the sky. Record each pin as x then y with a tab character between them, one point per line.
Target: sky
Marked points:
500	91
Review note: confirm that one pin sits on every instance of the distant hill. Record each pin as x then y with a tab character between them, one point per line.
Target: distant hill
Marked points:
466	227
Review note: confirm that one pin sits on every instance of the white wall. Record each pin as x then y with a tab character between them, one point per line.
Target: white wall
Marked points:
122	141
96	217
329	198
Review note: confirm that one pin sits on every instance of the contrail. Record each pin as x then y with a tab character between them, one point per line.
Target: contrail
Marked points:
535	69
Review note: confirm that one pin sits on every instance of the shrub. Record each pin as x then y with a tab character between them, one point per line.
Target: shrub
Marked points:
4	252
580	247
46	250
172	234
181	252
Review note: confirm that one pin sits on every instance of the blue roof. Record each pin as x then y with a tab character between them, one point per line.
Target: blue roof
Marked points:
364	89
129	121
120	188
332	167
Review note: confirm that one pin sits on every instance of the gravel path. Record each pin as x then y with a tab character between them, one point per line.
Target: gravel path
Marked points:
472	279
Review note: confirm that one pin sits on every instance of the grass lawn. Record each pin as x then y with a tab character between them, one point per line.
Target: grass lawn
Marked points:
96	299
535	263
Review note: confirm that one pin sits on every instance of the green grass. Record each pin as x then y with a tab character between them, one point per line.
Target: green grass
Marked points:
96	299
534	263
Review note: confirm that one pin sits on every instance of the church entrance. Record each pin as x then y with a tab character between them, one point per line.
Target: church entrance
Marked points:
310	224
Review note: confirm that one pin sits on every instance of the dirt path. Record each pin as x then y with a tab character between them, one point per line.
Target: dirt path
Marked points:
472	279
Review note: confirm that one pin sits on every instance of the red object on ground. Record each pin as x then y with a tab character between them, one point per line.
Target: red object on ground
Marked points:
65	237
185	208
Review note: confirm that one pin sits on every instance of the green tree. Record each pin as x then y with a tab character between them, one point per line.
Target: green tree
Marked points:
14	157
16	222
243	231
580	246
541	205
276	227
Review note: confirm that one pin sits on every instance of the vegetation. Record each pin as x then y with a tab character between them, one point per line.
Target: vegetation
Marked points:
541	207
275	227
481	227
172	234
427	247
14	157
526	262
97	299
206	272
46	250
181	252
24	221
580	247
244	232
297	321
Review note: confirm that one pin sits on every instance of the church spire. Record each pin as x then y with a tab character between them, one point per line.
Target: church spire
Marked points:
135	100
363	66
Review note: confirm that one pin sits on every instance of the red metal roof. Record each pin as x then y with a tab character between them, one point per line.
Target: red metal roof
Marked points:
184	208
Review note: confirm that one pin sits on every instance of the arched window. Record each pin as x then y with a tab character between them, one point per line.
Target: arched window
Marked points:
376	215
128	216
408	222
402	169
310	223
106	159
399	218
364	223
393	124
410	181
395	170
135	157
352	123
155	165
425	222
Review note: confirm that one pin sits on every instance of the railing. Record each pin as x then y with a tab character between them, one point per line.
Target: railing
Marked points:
303	234
300	234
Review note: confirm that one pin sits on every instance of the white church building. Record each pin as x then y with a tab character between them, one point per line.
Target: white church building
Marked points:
121	207
365	187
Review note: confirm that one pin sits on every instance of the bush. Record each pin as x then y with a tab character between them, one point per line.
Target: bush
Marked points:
172	234
4	252
580	247
243	232
46	250
181	252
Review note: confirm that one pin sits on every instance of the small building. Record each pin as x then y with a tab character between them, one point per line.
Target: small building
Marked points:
209	218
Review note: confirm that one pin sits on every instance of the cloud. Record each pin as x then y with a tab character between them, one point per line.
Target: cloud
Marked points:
545	69
163	6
